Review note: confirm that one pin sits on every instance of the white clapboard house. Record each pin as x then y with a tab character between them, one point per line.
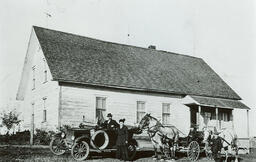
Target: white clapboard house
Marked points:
68	79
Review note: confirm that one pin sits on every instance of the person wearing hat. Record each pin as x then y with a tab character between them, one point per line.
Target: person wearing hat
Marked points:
122	141
110	124
216	146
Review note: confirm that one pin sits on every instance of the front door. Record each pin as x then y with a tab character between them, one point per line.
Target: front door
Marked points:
193	116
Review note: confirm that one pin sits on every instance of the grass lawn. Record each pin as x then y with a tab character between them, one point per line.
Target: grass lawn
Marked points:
36	154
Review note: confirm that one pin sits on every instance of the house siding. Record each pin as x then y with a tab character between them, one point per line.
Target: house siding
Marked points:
48	90
77	102
240	123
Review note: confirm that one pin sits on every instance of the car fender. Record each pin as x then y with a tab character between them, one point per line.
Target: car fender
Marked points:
83	138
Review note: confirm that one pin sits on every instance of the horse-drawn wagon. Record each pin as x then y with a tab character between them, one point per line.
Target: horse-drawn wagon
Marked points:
168	140
82	141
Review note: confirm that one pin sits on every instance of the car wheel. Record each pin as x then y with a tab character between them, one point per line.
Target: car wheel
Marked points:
80	150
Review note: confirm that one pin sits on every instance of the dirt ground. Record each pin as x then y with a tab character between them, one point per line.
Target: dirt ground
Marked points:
18	154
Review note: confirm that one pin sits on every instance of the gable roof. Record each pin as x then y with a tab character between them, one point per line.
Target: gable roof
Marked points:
77	59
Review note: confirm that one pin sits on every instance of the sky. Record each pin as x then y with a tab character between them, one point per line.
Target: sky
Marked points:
222	32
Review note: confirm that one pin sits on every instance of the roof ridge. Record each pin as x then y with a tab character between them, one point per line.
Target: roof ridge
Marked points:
127	45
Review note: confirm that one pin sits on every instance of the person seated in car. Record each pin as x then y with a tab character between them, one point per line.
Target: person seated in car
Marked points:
110	124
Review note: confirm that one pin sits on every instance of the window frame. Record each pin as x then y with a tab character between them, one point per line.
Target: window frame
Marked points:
166	113
33	77
104	104
45	71
139	111
44	116
44	110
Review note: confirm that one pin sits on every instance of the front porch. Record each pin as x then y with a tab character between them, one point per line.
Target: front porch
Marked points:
210	117
215	112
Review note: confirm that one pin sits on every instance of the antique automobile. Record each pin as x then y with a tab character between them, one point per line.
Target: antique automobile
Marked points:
82	141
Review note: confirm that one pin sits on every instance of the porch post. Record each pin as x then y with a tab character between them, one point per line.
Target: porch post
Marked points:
248	132
217	117
199	117
232	119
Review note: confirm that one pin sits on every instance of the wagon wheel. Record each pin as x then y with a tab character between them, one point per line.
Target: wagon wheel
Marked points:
193	151
80	150
57	146
131	151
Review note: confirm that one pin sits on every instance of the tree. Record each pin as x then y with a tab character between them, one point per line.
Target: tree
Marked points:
10	119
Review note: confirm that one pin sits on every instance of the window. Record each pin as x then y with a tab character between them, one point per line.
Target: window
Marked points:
140	110
45	71
166	113
213	115
45	76
44	115
224	116
33	108
33	77
44	111
100	107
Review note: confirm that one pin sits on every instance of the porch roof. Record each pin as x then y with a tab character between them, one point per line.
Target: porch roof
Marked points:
217	102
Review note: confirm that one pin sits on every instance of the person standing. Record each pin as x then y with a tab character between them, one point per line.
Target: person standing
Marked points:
122	141
110	124
216	146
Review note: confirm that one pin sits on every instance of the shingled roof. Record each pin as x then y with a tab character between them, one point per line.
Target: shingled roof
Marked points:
77	59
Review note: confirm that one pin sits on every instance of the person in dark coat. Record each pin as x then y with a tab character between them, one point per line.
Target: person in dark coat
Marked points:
110	124
216	146
122	141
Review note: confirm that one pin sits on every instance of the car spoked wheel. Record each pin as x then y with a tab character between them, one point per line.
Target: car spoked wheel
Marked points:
57	146
131	151
80	150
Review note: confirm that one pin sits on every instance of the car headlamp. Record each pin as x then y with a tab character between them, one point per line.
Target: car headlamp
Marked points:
62	135
92	131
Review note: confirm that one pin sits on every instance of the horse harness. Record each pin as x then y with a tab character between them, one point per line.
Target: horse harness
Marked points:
153	132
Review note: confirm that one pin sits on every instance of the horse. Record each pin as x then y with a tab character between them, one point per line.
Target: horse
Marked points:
161	137
229	140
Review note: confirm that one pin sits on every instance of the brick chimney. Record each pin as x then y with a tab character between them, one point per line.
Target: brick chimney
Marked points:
152	47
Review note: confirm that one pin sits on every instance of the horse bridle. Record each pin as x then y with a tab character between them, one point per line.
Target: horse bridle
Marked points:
151	132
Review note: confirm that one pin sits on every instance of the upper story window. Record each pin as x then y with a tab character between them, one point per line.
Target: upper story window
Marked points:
33	108
44	110
141	110
166	113
100	107
45	71
33	77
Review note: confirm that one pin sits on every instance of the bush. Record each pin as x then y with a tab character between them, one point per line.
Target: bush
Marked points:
20	138
43	137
